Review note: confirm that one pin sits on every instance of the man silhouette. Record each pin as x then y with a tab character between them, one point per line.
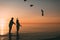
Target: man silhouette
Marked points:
17	25
11	24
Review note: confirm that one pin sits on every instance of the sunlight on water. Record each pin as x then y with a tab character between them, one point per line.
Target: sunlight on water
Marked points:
2	24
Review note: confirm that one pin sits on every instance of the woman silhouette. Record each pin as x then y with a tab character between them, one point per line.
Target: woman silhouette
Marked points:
17	25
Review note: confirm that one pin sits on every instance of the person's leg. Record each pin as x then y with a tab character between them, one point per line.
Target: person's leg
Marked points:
10	29
17	29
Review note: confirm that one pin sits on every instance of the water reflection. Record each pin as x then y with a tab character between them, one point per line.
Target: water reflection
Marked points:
14	37
17	36
2	38
10	37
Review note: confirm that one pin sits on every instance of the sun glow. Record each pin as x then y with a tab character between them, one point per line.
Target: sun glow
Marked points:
2	24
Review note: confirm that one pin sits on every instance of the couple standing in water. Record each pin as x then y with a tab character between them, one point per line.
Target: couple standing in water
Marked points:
11	24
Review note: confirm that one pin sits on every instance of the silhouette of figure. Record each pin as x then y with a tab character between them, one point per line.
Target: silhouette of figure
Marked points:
42	12
17	25
11	24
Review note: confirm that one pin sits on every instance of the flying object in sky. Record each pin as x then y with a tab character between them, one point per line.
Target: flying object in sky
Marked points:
25	0
31	5
42	12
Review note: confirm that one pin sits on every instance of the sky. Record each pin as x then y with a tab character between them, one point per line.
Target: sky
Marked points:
26	14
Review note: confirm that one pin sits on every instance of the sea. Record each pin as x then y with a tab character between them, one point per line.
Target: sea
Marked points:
40	31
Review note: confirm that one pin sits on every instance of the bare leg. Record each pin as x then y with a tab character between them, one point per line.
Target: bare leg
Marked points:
17	29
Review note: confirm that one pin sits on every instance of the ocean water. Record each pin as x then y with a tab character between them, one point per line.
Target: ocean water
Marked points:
35	32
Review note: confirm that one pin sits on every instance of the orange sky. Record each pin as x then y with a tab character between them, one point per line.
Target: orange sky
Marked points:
6	12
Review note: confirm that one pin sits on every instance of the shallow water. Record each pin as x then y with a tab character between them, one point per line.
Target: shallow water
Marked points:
36	32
